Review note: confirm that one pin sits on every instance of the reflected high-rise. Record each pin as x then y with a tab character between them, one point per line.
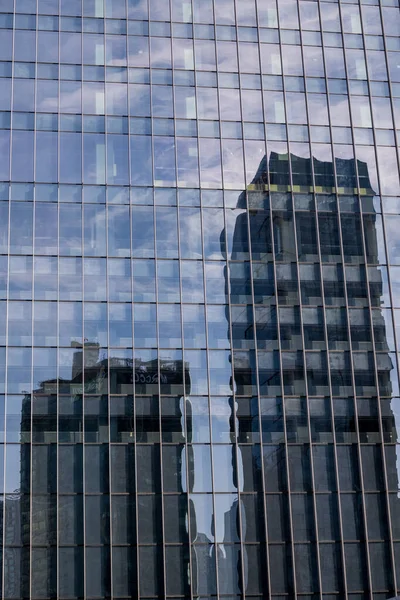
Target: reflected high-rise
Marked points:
199	299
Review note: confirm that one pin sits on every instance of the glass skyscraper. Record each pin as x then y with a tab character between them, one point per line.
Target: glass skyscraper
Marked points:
199	299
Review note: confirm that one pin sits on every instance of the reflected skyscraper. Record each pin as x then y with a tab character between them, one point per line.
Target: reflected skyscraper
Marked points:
199	300
321	378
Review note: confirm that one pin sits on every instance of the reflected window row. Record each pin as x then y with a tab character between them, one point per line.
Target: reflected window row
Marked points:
124	428
319	134
205	80
209	55
254	199
218	419
292	373
288	294
102	323
163	161
193	233
58	231
167	232
350	20
179	11
47	324
352	27
197	511
121	50
61	279
205	103
199	468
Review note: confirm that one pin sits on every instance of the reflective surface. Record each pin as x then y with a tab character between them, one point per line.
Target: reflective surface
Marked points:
199	299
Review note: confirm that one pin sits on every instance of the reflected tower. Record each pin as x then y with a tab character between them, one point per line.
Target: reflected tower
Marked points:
315	411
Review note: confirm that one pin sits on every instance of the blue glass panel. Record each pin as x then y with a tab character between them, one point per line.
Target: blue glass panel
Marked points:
142	232
46	156
118	231
94	158
70	169
117	159
141	160
70	232
22	156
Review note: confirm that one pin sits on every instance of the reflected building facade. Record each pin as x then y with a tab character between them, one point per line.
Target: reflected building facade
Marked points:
199	300
312	347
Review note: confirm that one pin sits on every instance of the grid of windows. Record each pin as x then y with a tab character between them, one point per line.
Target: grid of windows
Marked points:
199	299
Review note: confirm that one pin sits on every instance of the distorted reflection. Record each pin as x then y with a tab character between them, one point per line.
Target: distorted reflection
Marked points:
274	214
284	378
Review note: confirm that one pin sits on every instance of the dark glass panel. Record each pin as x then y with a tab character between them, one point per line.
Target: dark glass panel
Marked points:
97	520
70	517
329	237
281	569
98	577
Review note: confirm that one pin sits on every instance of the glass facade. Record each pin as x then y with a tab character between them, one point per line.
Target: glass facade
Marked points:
199	299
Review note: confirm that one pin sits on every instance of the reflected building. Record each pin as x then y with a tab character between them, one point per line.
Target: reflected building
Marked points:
229	492
199	300
299	449
77	411
313	351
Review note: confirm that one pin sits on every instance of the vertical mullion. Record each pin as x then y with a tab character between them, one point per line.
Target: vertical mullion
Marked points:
57	508
6	303
164	574
267	195
32	445
304	353
364	517
223	240
109	350
337	479
289	493
260	429
134	589
3	509
279	350
156	261
311	445
192	517
184	399
339	497
213	471
160	448
235	447
83	268
302	333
